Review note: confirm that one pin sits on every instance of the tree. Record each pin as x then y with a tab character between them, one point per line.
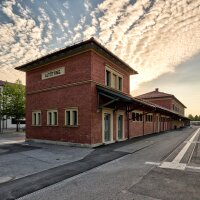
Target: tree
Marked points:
190	117
2	110
196	118
13	101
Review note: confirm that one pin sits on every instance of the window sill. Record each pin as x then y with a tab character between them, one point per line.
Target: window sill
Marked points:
110	87
36	125
52	125
71	126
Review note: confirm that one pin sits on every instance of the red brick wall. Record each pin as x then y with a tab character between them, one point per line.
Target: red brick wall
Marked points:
166	103
136	129
61	99
98	71
77	68
179	106
148	128
96	120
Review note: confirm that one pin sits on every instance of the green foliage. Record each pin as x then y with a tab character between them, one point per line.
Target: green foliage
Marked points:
190	117
194	118
12	100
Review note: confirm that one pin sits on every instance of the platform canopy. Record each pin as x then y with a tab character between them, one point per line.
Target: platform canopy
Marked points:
111	98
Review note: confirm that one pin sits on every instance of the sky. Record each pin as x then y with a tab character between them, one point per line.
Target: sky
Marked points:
158	38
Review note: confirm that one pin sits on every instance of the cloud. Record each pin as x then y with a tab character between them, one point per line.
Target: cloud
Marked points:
66	5
22	38
12	74
87	5
151	36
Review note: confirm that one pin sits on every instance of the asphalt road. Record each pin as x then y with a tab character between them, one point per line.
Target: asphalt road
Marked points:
134	173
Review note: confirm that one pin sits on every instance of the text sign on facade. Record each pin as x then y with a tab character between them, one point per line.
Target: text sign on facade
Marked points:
53	73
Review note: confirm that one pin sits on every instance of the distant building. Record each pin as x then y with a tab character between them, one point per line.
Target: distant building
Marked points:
81	95
165	100
8	122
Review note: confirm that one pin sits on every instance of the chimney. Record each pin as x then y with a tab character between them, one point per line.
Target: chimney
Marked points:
157	89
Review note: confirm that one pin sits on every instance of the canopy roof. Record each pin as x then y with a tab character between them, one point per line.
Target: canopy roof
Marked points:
136	103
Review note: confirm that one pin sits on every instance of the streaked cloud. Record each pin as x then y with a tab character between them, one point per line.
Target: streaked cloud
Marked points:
153	36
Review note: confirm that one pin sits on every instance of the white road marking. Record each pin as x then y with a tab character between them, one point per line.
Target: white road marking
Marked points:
170	165
5	178
178	158
175	164
193	167
194	142
152	163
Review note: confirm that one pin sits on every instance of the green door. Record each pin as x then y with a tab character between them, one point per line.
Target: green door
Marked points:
107	127
120	127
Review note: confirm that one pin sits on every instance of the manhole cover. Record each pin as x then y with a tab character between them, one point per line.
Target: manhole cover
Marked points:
3	150
5	179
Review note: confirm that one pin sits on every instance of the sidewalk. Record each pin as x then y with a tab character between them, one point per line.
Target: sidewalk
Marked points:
10	136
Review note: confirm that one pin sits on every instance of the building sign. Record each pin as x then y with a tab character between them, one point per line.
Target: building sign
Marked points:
53	73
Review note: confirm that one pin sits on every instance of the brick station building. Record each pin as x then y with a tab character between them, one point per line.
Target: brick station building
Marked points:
81	95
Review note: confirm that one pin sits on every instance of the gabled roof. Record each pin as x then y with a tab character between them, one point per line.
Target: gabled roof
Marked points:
156	94
86	45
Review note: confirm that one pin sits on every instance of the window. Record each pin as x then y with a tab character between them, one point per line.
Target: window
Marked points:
71	117
163	119
141	117
52	117
133	116
113	79
108	78
120	83
136	116
36	118
149	118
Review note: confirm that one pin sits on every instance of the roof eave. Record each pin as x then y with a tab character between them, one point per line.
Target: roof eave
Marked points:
27	66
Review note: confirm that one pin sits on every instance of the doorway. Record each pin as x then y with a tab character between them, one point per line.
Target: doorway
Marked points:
120	125
107	126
